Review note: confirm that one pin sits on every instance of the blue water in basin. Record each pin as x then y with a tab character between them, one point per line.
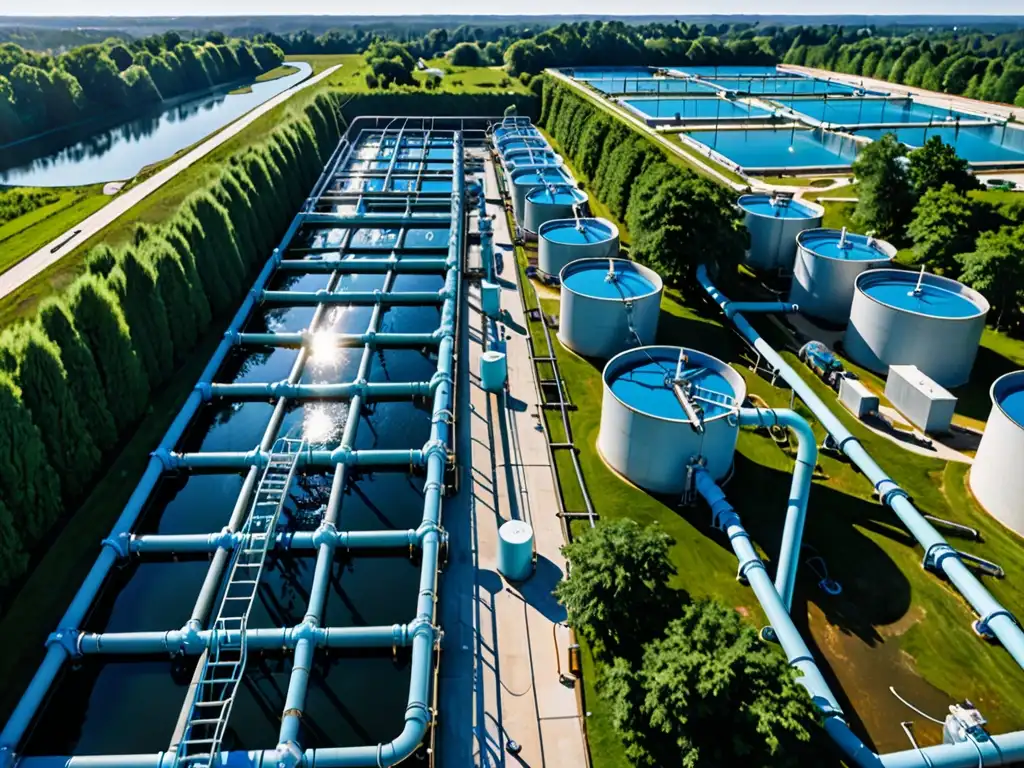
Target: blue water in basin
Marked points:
650	85
731	70
932	300
569	233
647	387
700	107
1013	404
591	281
860	111
826	243
560	195
976	143
784	148
781	85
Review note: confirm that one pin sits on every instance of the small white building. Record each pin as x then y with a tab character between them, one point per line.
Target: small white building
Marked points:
858	398
926	405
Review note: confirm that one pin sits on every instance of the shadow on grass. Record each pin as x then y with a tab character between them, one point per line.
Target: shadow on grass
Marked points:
973	398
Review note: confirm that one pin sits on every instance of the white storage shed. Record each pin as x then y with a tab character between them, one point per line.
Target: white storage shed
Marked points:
928	406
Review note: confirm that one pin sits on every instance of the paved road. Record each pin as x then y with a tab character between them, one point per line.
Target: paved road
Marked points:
32	265
942	99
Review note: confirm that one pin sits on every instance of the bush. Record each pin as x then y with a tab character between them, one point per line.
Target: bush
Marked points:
466	55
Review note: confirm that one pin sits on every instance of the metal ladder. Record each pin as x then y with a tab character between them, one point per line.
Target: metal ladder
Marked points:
225	659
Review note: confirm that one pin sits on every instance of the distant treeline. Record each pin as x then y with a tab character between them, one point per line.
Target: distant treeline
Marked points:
40	92
76	380
979	66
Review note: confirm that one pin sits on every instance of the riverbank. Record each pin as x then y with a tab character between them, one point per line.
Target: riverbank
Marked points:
274	74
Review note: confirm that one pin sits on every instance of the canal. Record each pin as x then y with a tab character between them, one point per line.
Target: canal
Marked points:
87	155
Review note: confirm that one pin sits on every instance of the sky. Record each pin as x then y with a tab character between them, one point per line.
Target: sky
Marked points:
475	7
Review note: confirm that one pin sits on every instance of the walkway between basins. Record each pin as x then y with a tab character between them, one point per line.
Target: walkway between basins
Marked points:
503	644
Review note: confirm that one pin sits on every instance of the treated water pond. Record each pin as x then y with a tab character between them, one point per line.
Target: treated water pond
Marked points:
974	143
860	111
785	148
780	85
86	155
703	108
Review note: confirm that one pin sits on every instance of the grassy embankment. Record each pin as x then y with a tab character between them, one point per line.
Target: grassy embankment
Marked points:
894	623
271	74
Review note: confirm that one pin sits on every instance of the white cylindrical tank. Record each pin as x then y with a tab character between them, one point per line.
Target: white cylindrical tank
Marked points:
646	434
563	241
899	317
525	180
827	264
773	224
551	202
997	475
608	305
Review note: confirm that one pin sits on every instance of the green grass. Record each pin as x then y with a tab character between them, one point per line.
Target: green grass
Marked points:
26	234
797	181
838	215
320	62
271	74
55	578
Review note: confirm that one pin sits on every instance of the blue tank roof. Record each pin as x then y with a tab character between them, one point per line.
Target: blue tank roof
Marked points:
777	207
832	244
577	231
646	385
597	279
935	297
557	194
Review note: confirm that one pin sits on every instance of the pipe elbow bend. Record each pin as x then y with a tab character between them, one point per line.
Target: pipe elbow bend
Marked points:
417	717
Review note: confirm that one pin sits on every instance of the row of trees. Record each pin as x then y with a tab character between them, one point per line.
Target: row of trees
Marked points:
688	683
987	67
40	92
76	380
923	198
676	218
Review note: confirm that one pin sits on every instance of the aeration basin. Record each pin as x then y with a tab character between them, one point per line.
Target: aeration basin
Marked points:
565	240
526	180
608	305
648	436
511	144
996	478
531	157
900	317
827	264
773	224
547	203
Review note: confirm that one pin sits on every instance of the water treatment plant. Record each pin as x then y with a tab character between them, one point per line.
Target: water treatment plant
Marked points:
344	550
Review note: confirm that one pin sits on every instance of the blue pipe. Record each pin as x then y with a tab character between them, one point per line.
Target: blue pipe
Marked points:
375	220
760	306
313	298
939	555
800	489
347	340
231	460
286	389
188	543
365	266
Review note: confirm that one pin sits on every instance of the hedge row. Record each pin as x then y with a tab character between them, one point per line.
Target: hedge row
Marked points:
76	380
676	219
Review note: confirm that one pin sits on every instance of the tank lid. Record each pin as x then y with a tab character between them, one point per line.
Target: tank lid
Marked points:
923	294
582	231
614	279
1008	394
516	532
557	194
777	207
645	380
845	246
553	175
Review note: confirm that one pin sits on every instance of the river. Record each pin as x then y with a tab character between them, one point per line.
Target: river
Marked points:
119	152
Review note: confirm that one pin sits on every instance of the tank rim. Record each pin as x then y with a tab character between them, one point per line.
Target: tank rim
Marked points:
577	264
1002	383
817	211
719	366
887	255
907	276
583	196
520	172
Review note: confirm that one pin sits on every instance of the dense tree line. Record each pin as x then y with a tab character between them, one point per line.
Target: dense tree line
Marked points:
76	380
980	66
922	198
676	219
688	683
40	91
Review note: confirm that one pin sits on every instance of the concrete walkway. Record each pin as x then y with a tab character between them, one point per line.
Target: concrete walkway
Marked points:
59	247
503	644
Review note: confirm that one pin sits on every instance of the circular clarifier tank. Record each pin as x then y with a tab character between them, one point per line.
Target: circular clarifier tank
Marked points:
648	435
773	223
554	201
513	144
608	305
503	138
562	241
828	262
996	478
525	180
531	158
900	317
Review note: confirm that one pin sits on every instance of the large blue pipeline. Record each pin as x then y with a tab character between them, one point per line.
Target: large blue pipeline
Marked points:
68	642
972	746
